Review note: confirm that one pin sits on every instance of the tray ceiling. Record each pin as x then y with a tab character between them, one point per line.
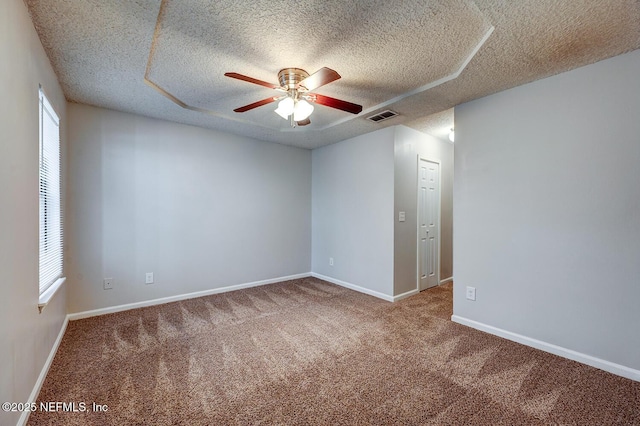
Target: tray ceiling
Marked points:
416	57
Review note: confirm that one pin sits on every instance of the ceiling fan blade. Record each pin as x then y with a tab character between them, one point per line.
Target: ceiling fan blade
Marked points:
255	104
337	104
304	122
319	78
251	80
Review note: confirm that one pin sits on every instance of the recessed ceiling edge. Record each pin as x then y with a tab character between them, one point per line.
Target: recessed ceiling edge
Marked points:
381	105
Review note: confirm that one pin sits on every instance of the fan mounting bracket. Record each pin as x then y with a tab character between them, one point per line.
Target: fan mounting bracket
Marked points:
290	78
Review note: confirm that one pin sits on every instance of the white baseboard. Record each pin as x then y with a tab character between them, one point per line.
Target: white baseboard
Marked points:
405	295
43	373
176	298
602	364
446	280
354	287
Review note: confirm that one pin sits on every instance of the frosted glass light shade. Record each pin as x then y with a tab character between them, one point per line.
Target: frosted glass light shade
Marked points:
452	135
302	110
285	108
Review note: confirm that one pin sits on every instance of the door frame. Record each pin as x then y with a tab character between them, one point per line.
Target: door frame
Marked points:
439	163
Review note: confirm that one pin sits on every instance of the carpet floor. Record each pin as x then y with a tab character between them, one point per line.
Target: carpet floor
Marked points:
309	352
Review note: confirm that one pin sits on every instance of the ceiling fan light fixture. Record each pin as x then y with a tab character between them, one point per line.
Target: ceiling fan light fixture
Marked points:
285	107
302	110
297	85
281	113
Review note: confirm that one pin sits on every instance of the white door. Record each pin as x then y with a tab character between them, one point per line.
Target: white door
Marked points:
428	223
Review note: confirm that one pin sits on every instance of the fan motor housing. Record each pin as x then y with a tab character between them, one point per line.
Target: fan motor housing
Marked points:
289	78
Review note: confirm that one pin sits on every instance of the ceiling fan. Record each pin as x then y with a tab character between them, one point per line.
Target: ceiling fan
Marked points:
297	85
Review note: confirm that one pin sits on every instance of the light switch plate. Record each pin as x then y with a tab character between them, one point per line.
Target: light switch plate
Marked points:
401	217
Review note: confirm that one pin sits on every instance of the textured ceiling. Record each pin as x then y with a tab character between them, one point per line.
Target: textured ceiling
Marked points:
438	125
418	58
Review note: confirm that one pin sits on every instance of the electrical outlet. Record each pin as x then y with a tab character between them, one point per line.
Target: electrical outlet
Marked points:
471	293
148	278
331	261
107	283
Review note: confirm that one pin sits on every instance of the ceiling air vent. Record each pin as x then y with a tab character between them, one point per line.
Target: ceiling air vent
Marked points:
383	115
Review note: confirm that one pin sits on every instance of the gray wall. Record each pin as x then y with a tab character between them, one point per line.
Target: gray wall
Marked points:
547	210
409	144
201	209
26	337
353	211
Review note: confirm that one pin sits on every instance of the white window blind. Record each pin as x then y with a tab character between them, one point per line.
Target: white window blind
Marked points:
50	205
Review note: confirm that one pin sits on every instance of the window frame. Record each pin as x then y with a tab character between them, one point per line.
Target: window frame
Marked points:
50	212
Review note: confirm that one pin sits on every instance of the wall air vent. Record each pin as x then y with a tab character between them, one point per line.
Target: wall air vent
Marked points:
383	115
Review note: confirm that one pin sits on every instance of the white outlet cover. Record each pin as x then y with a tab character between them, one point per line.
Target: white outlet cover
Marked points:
148	278
401	216
107	284
471	293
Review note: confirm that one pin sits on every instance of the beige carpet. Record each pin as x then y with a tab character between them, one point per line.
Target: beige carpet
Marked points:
309	352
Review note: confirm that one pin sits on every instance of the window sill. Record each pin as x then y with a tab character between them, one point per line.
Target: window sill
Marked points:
48	294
